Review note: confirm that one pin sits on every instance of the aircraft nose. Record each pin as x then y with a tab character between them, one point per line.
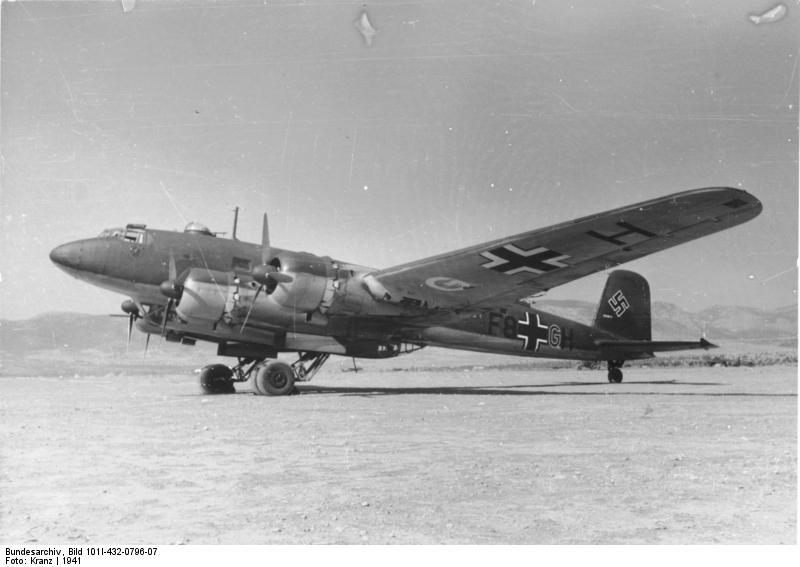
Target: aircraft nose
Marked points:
67	255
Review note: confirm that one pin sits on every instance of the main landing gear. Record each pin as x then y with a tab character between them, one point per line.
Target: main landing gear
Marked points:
270	378
615	371
217	379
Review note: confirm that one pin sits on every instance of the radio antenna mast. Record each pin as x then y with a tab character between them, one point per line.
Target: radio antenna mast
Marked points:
235	221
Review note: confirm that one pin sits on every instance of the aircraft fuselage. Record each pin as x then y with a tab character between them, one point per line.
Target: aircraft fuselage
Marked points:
319	310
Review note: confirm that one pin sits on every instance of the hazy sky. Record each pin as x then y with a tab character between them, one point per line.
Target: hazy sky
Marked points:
460	122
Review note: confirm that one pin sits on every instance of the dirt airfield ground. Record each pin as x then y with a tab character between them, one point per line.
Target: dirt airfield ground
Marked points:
469	453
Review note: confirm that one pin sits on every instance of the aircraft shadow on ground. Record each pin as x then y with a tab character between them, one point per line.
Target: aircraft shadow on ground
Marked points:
366	391
530	390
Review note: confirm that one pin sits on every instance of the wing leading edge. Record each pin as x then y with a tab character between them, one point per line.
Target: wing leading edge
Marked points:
515	267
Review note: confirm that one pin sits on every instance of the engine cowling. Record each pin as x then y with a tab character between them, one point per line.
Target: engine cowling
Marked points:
211	297
293	287
310	287
206	295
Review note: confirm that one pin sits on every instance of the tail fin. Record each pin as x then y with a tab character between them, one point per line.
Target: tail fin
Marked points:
624	309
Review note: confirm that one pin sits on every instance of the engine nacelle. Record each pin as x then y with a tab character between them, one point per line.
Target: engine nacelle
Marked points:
211	297
206	295
311	287
302	292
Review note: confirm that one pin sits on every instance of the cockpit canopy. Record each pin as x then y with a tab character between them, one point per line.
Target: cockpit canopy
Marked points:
197	228
136	232
131	233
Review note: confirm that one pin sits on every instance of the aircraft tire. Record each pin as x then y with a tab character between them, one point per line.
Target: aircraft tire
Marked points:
275	379
614	375
216	379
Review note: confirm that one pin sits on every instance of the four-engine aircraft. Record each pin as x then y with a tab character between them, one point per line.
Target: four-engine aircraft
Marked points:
256	300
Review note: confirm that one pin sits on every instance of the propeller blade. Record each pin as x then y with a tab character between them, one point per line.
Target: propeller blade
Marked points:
173	271
165	316
130	328
266	272
265	240
280	277
249	311
146	345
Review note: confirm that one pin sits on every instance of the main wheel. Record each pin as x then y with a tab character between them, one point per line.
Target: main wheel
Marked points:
274	379
216	379
615	375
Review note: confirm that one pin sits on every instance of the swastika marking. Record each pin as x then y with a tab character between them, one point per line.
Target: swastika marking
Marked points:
618	303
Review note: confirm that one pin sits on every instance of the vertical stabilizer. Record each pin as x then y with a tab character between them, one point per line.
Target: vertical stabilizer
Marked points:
624	309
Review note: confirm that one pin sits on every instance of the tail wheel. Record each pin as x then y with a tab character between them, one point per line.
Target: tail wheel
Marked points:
216	379
615	375
274	379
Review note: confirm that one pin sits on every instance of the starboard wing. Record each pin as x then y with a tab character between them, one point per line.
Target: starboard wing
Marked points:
522	265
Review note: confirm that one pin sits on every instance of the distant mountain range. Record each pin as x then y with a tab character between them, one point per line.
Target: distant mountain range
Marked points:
75	332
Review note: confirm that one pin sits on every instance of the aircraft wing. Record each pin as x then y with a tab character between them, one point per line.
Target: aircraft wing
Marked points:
516	267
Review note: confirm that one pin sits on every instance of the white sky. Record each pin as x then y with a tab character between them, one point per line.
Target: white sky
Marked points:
461	122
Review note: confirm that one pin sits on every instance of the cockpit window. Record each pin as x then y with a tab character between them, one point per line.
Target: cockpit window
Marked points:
111	233
133	235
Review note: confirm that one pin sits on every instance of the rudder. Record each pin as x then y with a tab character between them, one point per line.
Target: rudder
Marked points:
624	309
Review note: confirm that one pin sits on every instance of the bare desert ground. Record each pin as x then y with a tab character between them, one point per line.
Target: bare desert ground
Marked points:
442	454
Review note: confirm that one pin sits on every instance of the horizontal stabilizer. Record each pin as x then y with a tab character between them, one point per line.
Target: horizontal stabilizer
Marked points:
630	349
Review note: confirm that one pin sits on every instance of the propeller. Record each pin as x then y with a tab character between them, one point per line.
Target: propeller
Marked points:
132	309
171	289
265	274
128	306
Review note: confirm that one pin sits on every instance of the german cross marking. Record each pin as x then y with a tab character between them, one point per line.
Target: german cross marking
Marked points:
510	260
534	335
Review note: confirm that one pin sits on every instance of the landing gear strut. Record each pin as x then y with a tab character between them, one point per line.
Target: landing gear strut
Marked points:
614	371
